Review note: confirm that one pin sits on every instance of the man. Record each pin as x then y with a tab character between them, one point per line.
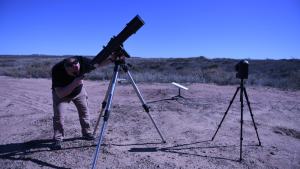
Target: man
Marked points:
66	87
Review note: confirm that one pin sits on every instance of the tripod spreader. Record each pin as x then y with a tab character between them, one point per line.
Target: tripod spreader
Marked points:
146	108
106	115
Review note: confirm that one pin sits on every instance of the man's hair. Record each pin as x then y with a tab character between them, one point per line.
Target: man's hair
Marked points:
65	60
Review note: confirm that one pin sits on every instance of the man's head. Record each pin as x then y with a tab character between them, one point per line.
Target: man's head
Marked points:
72	65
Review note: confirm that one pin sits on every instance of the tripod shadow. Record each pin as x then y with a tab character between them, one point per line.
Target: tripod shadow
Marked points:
120	145
172	98
160	100
18	151
191	146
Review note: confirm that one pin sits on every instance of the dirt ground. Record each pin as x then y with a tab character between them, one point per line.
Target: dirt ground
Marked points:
130	139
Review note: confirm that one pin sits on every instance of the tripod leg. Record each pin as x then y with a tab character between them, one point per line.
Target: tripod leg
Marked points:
242	121
252	116
177	97
98	146
144	105
103	105
225	113
106	115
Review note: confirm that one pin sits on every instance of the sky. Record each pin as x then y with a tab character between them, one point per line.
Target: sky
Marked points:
236	29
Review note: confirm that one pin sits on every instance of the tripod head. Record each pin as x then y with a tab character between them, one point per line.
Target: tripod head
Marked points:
122	63
121	52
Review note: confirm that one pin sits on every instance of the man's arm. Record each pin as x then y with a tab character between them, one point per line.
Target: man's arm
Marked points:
108	61
104	63
65	91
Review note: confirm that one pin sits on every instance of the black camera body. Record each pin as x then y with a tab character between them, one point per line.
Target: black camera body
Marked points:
242	69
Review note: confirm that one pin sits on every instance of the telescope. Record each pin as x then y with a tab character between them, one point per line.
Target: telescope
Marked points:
242	69
115	44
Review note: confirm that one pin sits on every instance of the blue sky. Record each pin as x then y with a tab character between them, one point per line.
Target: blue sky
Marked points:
238	29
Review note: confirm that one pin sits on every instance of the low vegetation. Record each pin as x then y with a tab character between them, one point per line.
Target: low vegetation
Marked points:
284	74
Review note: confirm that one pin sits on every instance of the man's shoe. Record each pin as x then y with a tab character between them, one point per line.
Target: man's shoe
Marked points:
57	145
89	136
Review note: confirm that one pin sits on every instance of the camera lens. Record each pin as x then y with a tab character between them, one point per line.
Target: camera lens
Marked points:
236	67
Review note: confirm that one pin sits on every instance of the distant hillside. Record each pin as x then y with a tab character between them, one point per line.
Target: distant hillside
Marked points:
282	73
36	55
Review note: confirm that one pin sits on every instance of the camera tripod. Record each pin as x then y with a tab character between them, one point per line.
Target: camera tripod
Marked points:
108	100
243	89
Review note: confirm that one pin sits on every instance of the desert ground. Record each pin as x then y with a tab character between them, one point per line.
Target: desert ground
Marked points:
130	139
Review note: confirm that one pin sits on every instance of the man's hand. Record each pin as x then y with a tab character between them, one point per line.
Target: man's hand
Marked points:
78	81
64	91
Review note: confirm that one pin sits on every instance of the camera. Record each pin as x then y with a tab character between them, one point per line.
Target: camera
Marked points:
242	69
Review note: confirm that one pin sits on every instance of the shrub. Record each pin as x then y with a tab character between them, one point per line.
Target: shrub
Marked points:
295	80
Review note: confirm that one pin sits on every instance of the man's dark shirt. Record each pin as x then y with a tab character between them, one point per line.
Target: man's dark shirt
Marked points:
60	77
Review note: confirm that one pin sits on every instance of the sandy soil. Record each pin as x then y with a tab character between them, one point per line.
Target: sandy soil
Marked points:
130	139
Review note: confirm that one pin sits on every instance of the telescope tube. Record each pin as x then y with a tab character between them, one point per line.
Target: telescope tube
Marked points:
131	28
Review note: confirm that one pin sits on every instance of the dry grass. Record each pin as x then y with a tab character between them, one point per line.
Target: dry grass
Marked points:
284	74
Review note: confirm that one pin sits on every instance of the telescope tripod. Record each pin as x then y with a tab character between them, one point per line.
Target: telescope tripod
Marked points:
243	89
108	100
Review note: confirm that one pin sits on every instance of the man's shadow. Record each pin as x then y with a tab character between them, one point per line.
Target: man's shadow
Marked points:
18	151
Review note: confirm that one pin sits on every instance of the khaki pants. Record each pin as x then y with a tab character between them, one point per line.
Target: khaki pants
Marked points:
60	106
